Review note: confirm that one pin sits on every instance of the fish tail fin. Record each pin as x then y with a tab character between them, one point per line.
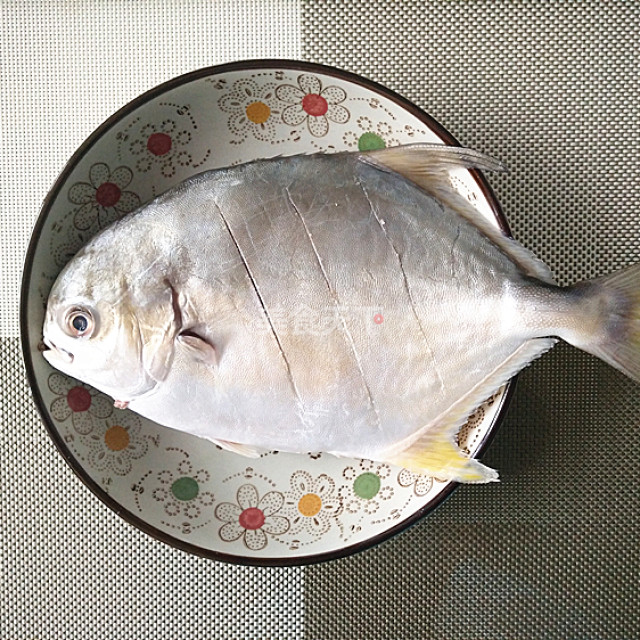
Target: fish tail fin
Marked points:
438	455
610	324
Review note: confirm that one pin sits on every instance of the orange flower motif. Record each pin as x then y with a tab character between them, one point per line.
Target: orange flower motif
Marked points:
312	503
251	108
115	443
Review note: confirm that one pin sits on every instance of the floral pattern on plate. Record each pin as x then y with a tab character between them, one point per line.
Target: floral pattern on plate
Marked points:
103	198
252	108
78	401
116	443
311	103
180	490
163	143
313	503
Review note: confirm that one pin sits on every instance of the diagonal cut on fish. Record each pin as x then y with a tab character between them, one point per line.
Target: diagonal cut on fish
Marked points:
334	297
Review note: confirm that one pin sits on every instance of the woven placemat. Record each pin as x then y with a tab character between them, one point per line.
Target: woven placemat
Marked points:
71	568
551	88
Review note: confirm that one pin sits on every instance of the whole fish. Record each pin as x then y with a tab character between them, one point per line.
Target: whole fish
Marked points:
351	303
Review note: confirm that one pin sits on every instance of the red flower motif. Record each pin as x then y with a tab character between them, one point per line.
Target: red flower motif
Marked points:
252	518
159	144
315	105
108	194
311	102
162	145
103	199
77	401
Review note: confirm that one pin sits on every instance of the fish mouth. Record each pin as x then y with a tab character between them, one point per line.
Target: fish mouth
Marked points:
51	350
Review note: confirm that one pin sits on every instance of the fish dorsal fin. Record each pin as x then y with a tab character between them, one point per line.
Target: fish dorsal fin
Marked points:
435	452
428	166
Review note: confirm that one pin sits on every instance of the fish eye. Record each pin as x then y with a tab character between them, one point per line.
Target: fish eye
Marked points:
79	322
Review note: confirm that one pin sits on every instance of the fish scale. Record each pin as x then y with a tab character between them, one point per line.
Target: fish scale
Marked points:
447	269
392	354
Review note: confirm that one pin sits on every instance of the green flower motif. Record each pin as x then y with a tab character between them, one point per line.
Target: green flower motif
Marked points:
370	141
365	490
180	491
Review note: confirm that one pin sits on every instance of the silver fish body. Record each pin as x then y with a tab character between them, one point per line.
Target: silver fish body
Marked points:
315	303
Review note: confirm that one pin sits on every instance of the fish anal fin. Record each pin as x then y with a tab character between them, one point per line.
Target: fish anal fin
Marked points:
440	457
429	166
433	450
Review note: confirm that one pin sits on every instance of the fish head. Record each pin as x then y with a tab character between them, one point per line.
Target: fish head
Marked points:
110	329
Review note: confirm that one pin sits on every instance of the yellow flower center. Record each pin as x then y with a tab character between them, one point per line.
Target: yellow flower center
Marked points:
310	504
258	112
116	438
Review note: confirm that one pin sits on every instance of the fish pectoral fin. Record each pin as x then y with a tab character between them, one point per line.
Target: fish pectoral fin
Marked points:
434	450
242	449
200	348
157	324
429	166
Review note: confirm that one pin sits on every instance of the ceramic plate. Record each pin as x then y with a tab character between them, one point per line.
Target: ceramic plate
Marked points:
280	508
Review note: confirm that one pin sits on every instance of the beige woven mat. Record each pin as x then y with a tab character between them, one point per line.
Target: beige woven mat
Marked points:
553	89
